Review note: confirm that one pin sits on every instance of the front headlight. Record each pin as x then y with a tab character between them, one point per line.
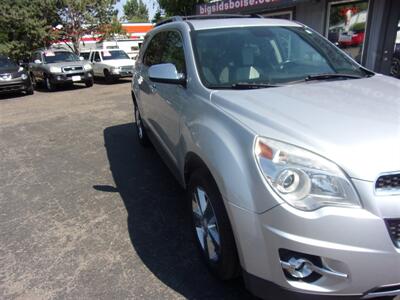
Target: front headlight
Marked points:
87	67
24	76
55	70
303	179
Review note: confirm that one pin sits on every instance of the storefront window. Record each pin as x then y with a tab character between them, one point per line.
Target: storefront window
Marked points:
346	26
395	69
287	14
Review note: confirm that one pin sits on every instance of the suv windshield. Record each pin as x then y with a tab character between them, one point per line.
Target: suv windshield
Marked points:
119	54
5	62
267	54
59	56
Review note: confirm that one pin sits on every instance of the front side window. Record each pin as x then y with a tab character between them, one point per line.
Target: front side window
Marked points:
173	51
97	57
115	54
153	52
267	54
59	56
166	47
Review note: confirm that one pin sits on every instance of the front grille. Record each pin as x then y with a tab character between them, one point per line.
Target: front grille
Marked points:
393	226
72	68
388	183
75	74
127	68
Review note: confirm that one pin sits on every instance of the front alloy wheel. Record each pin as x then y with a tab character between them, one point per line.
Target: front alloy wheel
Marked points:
211	226
206	225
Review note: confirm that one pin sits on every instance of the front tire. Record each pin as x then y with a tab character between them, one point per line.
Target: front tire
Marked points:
89	82
108	77
49	86
211	226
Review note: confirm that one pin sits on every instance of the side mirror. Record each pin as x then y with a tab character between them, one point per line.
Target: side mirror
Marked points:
166	73
37	61
81	58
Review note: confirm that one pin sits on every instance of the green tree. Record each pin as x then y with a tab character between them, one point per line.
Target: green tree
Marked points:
157	17
80	17
26	25
180	7
136	11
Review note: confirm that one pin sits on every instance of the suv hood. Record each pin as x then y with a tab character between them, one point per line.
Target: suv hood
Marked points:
354	123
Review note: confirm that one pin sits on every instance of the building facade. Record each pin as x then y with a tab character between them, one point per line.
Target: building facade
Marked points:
368	30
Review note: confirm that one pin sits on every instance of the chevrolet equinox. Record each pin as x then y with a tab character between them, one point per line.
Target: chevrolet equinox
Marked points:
289	151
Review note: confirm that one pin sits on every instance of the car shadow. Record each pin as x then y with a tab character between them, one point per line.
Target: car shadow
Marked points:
157	225
102	81
40	87
14	95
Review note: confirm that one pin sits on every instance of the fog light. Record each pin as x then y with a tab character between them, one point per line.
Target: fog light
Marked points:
305	267
298	268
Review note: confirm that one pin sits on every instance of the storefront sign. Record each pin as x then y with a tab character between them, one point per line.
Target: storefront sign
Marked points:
224	6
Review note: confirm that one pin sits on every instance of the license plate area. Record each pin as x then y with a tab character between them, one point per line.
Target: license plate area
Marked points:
76	78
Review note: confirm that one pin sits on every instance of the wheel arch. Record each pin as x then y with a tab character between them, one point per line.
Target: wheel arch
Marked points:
192	163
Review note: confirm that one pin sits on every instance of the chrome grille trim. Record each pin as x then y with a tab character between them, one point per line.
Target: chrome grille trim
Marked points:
72	68
388	183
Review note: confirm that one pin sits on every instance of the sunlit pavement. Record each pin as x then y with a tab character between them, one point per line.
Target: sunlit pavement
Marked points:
85	212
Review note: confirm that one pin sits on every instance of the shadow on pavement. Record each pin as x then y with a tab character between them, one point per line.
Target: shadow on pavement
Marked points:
40	87
14	95
102	81
156	218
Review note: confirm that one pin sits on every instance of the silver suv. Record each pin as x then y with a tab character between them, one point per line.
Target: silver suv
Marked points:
289	151
55	67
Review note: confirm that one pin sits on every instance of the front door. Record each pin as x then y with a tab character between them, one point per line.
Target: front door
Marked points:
162	102
96	64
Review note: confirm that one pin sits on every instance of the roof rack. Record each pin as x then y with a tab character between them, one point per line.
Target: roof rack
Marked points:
206	17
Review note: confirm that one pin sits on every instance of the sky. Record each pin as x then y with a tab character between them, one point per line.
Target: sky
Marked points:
151	6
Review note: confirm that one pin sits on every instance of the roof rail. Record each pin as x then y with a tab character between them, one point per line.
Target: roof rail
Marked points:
169	20
206	17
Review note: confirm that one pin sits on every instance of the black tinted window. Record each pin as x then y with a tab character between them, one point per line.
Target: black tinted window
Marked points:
173	52
166	47
154	50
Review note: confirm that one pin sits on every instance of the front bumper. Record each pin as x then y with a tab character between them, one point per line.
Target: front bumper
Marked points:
355	242
71	77
117	73
15	85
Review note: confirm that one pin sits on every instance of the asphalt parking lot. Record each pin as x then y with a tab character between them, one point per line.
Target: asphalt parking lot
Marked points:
86	213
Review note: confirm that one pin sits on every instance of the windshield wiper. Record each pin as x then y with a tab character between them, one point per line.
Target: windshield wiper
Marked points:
249	86
328	76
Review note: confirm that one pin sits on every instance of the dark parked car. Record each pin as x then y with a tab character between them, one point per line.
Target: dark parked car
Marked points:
14	78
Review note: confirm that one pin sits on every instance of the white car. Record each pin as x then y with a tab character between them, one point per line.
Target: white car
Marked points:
111	64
